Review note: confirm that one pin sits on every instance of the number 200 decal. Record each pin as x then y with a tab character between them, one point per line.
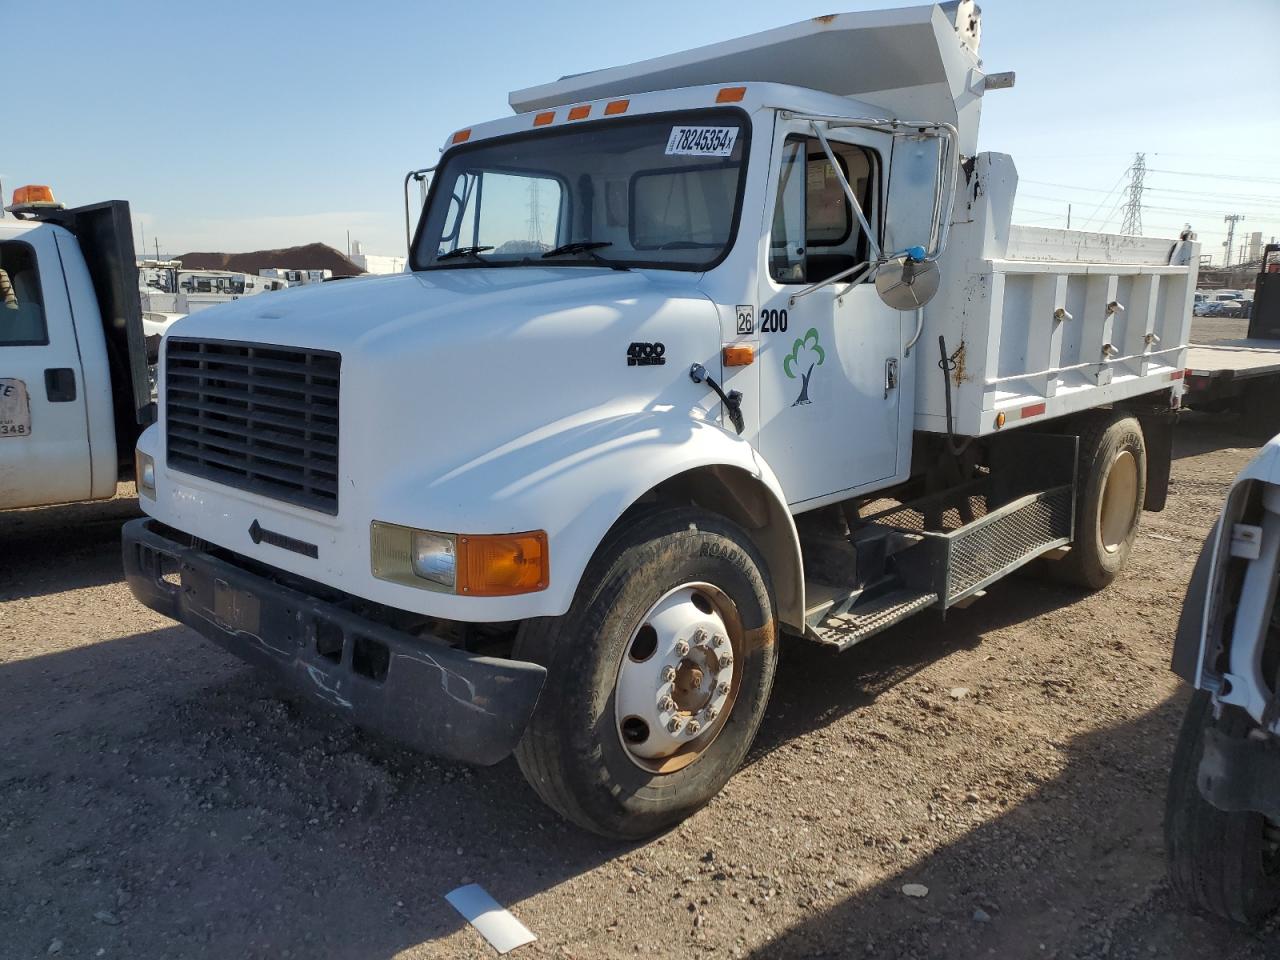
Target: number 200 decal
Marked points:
773	321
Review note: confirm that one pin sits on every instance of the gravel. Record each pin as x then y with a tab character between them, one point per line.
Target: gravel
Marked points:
150	778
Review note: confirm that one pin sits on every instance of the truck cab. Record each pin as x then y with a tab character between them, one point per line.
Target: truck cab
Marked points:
690	353
74	391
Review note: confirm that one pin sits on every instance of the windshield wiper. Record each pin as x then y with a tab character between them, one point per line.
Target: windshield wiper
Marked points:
473	252
589	247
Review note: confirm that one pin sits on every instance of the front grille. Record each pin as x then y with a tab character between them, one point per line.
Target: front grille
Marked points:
255	417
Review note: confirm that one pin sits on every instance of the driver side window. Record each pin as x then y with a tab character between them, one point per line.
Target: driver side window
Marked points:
815	234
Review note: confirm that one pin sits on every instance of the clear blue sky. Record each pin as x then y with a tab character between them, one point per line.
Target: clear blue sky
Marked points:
235	125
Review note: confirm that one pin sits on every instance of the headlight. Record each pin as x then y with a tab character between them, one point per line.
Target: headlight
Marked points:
144	473
477	565
435	557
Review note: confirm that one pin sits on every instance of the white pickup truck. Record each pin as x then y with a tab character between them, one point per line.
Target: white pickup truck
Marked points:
659	386
75	391
1222	814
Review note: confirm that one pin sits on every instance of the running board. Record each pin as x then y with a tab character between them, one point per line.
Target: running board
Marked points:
844	630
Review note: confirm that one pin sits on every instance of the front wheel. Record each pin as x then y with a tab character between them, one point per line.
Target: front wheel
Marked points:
657	677
1227	863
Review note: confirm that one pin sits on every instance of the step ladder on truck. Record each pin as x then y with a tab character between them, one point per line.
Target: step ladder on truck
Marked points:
692	353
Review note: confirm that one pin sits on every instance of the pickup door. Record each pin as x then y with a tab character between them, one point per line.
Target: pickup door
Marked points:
44	436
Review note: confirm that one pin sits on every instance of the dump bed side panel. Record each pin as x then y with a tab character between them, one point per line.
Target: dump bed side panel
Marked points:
1039	323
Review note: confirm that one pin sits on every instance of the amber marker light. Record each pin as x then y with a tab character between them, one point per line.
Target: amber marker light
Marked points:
542	119
580	113
462	136
615	107
739	355
731	94
499	565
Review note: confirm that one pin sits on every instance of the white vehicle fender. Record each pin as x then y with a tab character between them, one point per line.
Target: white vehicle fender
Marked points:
576	479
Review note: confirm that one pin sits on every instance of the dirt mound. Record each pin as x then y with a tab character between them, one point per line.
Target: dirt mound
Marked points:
311	256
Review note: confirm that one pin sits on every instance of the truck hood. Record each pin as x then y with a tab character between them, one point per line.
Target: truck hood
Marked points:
442	368
340	314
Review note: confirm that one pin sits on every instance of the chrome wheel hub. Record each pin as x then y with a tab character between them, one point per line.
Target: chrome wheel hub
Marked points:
678	678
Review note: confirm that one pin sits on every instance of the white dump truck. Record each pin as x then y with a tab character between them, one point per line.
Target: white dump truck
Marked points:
690	354
74	384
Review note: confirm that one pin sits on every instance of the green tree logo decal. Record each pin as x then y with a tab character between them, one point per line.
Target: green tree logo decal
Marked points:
805	355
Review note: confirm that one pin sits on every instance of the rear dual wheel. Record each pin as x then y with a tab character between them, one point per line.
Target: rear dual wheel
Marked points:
657	677
1111	485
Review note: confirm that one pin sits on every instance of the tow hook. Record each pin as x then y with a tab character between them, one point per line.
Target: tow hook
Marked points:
732	400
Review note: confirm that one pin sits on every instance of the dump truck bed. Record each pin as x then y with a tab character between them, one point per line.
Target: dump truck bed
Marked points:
1040	323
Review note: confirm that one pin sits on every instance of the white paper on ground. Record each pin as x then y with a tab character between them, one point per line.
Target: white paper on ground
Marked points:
503	931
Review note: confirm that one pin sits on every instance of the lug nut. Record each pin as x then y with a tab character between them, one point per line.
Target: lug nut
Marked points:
699	636
694	727
674	724
726	662
665	704
682	648
722	689
668	674
720	640
710	713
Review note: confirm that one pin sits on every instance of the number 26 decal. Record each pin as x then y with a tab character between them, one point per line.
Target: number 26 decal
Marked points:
773	321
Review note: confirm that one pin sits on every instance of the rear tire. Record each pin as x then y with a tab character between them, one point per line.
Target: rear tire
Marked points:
1111	484
587	760
1220	862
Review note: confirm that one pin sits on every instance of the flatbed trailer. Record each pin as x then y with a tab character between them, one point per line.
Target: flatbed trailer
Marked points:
1240	376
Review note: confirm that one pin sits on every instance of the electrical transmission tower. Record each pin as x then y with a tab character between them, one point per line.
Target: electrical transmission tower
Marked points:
1132	225
1231	219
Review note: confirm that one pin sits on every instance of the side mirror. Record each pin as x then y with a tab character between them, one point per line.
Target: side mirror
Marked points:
908	282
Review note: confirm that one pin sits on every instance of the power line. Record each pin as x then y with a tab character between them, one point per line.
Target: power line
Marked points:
1218	176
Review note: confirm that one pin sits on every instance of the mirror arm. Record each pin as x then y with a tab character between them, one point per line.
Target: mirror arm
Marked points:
420	176
837	278
848	192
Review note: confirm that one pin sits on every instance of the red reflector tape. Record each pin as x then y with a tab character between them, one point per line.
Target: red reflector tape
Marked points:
1032	411
1177	375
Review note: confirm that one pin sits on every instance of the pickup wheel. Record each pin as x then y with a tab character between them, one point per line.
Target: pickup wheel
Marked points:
657	677
1111	484
1226	863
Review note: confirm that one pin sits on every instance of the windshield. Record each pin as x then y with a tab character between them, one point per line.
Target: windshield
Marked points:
655	191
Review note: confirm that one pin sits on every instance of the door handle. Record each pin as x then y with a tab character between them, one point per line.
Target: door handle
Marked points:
890	375
60	384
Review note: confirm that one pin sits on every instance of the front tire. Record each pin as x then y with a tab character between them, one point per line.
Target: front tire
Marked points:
657	677
1226	863
1111	484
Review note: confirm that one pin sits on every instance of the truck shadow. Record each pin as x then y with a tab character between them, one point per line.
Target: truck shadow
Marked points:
62	548
815	686
158	779
1038	877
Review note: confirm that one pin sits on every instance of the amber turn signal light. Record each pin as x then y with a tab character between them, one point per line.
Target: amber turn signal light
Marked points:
500	565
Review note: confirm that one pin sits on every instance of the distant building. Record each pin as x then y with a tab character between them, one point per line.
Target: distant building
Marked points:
375	263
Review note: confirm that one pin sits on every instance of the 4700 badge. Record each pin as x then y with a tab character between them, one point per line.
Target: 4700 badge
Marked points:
15	409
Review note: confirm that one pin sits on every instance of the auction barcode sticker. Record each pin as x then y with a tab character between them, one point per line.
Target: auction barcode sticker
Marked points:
15	409
701	141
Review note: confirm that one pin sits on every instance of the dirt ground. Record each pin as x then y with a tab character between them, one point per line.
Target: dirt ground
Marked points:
157	799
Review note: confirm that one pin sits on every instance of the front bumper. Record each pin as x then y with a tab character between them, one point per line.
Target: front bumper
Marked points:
441	700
